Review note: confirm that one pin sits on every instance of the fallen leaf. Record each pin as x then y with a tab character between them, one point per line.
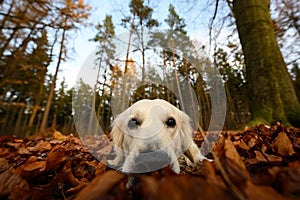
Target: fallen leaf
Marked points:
283	146
40	165
67	175
101	186
4	152
55	157
288	181
9	180
40	146
243	145
4	165
251	142
253	191
274	158
14	144
260	157
231	152
59	136
181	187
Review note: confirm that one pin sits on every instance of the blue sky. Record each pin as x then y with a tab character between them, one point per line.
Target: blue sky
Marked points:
80	47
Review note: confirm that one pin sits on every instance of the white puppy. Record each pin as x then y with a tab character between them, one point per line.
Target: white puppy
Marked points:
150	135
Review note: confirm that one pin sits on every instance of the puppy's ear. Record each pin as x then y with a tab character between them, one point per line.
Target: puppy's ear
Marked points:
186	136
186	130
117	135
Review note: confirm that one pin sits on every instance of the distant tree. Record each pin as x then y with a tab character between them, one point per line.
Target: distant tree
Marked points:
61	109
23	58
233	75
71	15
81	106
140	21
105	56
39	60
179	56
286	22
23	75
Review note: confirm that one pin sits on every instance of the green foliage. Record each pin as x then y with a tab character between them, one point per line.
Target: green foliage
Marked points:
232	70
144	14
175	22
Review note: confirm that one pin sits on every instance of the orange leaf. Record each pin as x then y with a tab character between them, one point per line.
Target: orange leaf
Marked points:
41	165
282	145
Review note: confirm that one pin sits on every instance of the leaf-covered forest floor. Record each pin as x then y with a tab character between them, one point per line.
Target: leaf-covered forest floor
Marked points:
258	163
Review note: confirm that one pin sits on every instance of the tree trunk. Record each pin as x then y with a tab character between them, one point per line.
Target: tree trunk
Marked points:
272	94
91	120
52	89
124	100
35	108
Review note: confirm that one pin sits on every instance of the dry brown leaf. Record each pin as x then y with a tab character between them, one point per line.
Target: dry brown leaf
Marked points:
243	145
77	189
31	159
8	181
181	187
24	151
253	191
273	158
251	142
67	175
101	186
14	144
40	165
231	152
59	136
288	181
251	162
282	145
55	157
260	157
209	172
20	193
4	165
4	152
40	146
273	171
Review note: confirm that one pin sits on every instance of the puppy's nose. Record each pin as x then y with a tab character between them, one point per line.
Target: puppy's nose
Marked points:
151	161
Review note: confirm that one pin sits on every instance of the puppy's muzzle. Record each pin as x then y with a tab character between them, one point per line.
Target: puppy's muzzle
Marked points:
150	161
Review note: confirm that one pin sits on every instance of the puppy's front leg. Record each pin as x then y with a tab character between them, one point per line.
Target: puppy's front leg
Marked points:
130	159
128	165
118	159
175	165
194	154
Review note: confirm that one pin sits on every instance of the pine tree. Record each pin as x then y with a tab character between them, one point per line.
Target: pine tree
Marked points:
105	57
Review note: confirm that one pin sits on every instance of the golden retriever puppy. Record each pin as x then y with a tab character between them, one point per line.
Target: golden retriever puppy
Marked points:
150	135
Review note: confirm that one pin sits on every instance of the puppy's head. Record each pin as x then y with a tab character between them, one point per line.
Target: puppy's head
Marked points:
152	126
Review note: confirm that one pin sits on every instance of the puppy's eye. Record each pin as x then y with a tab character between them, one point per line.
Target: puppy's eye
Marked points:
171	122
133	123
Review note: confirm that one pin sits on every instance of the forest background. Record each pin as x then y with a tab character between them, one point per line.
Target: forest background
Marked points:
37	36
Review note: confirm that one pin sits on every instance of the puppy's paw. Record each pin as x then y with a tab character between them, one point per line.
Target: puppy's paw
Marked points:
201	158
114	162
175	167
